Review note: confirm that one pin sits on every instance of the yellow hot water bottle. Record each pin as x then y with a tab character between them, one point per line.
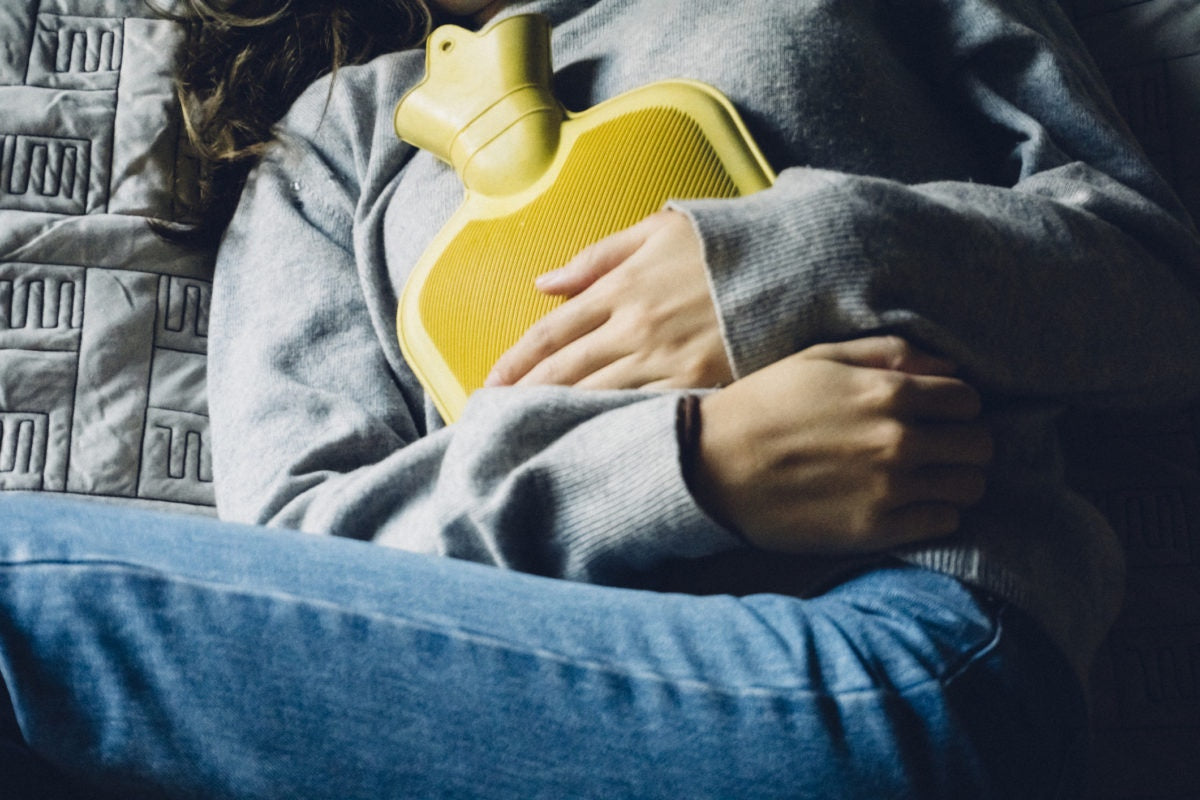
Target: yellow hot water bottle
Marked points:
541	184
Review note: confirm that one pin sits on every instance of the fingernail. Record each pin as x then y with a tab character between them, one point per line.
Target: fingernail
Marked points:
493	379
547	279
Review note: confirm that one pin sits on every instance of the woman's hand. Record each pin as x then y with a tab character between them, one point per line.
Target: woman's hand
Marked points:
640	316
849	447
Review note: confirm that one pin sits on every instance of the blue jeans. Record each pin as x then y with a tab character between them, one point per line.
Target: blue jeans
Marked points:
155	655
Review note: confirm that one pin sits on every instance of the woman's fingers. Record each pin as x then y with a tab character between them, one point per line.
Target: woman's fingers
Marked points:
956	485
641	292
882	352
921	521
917	445
590	354
815	454
911	506
572	320
559	328
593	262
926	397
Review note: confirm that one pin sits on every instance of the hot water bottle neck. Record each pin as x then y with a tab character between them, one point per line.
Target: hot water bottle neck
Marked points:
541	183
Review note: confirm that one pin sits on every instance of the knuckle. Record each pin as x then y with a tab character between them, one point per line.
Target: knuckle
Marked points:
694	372
634	323
904	388
901	351
885	486
652	316
501	372
859	525
538	336
893	441
889	390
546	372
619	287
816	351
587	261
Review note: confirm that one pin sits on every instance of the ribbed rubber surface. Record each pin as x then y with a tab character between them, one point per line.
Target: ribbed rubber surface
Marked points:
479	297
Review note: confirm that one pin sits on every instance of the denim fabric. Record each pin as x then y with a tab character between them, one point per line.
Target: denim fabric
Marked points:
153	655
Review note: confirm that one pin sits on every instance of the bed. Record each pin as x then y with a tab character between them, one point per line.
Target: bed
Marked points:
103	329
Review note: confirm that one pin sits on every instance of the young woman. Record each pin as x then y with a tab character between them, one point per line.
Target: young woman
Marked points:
786	587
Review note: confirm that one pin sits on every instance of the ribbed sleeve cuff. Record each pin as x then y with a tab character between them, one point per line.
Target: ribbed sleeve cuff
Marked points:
648	514
772	257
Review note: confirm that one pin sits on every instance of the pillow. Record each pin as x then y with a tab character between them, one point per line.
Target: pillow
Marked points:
103	325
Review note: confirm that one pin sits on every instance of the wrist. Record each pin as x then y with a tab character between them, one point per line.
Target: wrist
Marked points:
696	475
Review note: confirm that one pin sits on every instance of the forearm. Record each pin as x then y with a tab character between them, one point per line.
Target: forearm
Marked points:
317	429
584	486
1059	266
1031	295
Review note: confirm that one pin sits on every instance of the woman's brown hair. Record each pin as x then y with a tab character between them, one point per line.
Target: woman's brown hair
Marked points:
245	62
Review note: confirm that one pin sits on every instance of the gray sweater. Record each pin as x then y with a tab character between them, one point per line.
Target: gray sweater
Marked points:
950	170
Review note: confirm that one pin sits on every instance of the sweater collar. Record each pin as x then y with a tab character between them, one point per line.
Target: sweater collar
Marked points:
557	11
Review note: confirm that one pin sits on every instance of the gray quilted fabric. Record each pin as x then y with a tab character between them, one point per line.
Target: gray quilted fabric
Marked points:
102	326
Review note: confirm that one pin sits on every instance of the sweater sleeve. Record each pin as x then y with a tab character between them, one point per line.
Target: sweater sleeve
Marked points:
318	428
1070	274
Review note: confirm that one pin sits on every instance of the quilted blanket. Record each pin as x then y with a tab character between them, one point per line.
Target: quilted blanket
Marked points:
102	325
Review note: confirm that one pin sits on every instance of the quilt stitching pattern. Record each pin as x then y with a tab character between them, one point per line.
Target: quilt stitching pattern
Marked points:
51	169
103	326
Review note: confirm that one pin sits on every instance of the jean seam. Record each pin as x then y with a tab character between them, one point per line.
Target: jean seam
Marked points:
479	639
970	657
989	608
